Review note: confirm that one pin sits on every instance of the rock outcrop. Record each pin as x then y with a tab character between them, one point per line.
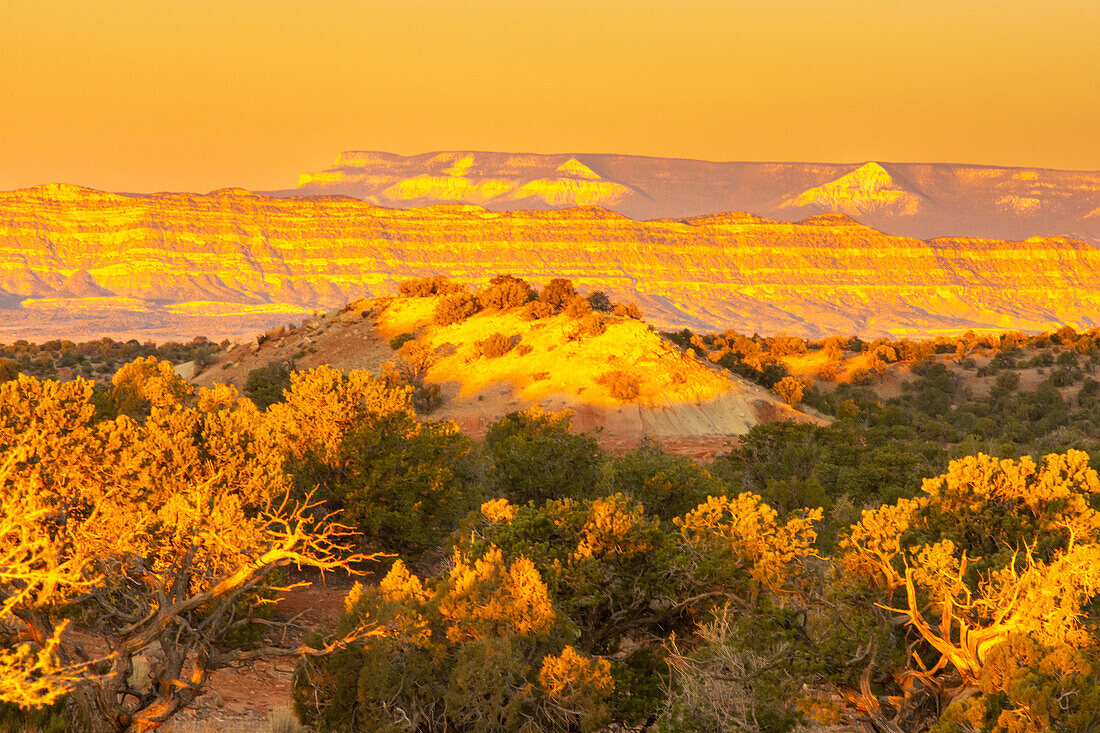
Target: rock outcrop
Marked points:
78	263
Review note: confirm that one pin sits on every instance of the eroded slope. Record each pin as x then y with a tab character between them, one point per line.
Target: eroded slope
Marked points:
231	262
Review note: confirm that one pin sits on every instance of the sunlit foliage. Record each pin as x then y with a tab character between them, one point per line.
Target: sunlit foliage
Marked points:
147	534
324	405
990	549
480	648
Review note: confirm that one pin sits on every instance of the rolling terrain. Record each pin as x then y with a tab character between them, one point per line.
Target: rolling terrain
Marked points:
80	263
681	399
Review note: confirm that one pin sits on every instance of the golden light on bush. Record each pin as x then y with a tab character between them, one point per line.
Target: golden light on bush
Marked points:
151	531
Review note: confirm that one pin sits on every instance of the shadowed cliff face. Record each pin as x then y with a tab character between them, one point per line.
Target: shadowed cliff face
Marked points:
912	199
229	262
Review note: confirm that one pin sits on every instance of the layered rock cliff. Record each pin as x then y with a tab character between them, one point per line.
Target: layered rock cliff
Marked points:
230	262
917	200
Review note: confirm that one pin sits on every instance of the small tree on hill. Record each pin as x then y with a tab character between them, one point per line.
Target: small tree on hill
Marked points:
600	302
628	310
557	293
426	286
455	308
504	292
578	307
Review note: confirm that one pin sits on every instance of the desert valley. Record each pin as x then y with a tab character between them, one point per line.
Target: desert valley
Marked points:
576	367
603	459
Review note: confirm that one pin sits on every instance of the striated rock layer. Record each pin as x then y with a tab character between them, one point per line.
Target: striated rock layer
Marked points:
224	263
915	199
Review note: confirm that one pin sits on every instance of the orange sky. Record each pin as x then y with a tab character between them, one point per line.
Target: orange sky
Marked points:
140	95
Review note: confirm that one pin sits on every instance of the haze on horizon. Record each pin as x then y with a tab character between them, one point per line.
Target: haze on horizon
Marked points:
129	95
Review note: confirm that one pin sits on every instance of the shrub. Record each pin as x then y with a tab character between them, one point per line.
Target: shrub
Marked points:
557	293
1044	359
403	484
600	302
504	292
536	457
426	398
538	309
666	485
481	648
628	310
593	324
621	385
425	286
827	372
993	547
578	307
790	390
8	370
400	340
417	358
190	500
495	346
1065	376
455	308
1025	685
264	386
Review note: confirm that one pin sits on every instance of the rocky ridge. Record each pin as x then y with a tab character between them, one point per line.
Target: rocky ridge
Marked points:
913	199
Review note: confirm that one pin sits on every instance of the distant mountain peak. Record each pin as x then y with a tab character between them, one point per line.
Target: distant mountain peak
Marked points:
577	169
868	189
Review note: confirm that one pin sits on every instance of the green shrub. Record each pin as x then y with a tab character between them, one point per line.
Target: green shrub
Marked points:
667	485
600	302
536	457
264	386
401	483
400	340
479	650
426	398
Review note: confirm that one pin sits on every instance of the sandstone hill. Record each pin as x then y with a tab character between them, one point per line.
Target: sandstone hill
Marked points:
673	395
80	264
912	199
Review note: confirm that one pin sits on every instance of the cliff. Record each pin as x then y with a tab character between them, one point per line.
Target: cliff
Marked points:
78	263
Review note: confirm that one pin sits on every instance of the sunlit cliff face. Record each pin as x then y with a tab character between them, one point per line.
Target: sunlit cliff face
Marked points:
231	262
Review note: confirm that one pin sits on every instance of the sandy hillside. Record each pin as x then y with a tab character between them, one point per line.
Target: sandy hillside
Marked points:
672	395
